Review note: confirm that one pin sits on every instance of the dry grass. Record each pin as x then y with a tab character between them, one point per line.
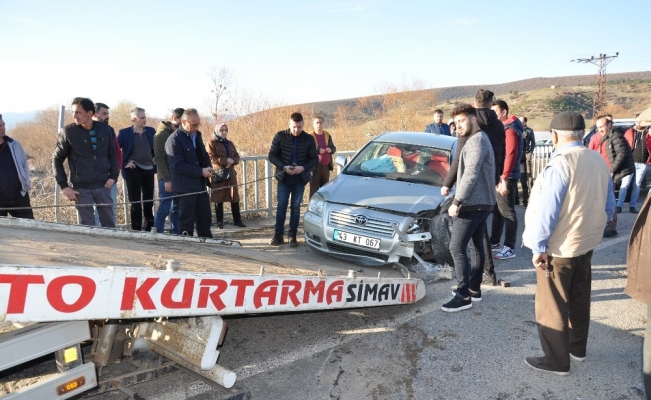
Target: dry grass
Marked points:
351	124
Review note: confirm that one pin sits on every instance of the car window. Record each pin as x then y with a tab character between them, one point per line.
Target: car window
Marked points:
399	161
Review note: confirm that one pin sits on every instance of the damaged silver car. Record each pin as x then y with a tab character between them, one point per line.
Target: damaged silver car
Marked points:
386	205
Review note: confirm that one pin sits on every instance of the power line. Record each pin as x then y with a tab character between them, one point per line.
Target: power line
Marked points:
600	96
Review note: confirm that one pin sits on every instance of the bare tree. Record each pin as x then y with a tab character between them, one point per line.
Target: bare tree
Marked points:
221	81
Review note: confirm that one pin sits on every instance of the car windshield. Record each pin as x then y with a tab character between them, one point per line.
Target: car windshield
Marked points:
403	162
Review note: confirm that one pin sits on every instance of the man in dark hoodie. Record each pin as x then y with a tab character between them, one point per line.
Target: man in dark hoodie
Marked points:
488	122
167	205
504	215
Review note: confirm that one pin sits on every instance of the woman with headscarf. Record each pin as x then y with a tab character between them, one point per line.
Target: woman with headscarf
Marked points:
223	153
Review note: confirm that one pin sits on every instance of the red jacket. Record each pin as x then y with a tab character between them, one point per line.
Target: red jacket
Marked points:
510	150
596	145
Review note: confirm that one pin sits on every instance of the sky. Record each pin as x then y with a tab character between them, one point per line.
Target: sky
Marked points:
158	54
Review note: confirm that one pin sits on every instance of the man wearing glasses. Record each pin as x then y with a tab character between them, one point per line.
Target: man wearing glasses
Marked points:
190	168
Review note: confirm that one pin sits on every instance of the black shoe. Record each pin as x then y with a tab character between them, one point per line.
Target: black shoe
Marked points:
489	279
619	210
292	240
537	364
220	225
457	304
240	224
277	240
608	234
633	210
475	297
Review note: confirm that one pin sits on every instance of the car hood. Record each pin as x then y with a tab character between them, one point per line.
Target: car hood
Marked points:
397	196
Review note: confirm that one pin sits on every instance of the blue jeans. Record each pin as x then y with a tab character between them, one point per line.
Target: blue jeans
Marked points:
294	186
166	206
468	227
640	173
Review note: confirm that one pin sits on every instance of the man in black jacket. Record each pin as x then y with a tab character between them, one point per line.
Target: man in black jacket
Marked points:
526	172
612	146
190	168
488	122
293	152
90	149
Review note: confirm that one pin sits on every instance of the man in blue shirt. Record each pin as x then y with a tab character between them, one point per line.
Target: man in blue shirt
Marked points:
438	127
563	225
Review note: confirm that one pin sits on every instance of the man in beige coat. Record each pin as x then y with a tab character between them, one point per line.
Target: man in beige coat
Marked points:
569	206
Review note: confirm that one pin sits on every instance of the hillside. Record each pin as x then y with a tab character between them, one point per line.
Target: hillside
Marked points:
535	95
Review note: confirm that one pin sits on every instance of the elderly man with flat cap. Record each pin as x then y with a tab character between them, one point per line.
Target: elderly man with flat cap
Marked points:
563	225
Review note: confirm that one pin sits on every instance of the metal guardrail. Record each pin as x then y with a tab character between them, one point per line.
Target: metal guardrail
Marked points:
540	158
257	169
258	186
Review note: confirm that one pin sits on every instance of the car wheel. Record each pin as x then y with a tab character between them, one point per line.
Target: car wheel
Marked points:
439	228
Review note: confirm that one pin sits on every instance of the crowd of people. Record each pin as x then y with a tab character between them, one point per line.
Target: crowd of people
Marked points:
176	156
569	208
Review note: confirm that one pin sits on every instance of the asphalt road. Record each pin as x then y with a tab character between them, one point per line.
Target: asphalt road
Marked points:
420	352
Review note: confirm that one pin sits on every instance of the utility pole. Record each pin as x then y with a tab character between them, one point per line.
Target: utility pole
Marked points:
600	96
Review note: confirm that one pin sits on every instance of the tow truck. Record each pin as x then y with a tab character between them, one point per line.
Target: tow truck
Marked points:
159	318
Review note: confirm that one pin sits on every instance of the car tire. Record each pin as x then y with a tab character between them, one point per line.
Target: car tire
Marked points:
440	229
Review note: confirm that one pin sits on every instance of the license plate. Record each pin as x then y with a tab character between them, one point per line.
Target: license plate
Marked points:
356	239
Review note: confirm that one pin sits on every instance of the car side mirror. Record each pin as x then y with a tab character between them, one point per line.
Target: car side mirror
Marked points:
341	161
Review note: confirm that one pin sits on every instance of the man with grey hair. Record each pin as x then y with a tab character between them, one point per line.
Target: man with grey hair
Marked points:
190	171
14	179
138	168
563	225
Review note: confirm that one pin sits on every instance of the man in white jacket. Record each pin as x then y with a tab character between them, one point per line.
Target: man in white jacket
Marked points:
14	178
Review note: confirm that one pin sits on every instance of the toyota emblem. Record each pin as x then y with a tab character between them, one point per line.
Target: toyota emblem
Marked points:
361	220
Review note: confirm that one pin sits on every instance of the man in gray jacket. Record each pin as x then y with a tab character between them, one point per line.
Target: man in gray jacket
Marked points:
14	178
89	148
474	200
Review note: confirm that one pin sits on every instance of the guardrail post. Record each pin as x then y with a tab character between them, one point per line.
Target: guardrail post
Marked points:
268	186
57	189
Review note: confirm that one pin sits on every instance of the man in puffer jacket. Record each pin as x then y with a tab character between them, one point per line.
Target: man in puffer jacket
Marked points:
612	146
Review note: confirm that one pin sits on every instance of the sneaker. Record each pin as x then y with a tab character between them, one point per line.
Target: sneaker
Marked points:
619	210
475	297
633	210
277	240
576	358
537	364
457	304
489	279
505	254
496	247
608	233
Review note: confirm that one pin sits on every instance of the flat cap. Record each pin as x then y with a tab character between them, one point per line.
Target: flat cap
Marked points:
567	121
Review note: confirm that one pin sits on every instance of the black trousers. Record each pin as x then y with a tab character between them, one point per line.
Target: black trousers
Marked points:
525	180
195	210
140	185
16	201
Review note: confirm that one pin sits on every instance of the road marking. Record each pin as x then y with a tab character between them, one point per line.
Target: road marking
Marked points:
388	324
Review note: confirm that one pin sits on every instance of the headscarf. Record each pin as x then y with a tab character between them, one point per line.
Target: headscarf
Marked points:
221	139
